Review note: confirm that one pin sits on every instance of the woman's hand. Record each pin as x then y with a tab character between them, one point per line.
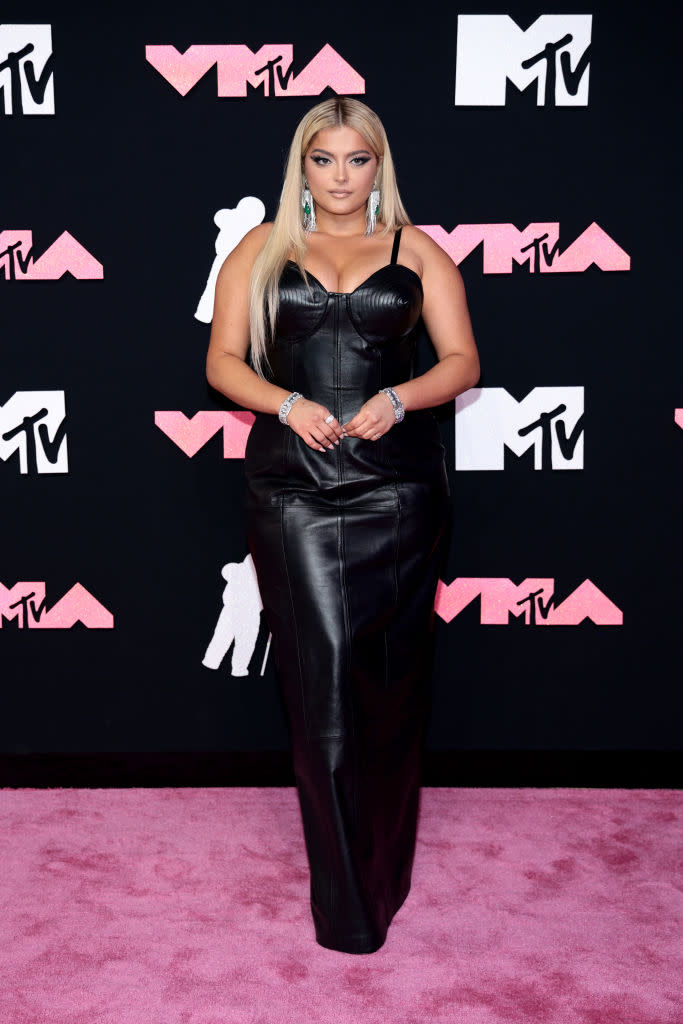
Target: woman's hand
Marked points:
373	419
307	419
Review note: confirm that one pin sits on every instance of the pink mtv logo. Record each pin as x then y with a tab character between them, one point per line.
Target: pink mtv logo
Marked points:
270	68
26	603
678	417
536	245
534	598
192	433
17	262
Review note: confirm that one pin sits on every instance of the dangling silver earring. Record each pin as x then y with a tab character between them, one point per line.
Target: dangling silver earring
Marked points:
372	209
309	208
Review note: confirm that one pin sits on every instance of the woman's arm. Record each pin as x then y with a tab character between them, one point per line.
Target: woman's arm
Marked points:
447	320
226	367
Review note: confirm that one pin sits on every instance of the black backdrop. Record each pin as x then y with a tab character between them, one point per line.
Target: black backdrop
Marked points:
135	172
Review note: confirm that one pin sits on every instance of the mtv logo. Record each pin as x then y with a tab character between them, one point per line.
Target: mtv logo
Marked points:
34	424
554	53
549	420
26	62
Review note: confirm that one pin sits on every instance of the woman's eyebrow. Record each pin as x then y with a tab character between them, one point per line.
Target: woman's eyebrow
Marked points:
327	152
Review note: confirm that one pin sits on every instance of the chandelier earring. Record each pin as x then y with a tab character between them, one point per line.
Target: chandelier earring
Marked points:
372	209
308	208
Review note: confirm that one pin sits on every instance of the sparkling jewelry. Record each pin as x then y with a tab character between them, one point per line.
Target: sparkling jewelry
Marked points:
399	411
308	207
372	210
328	419
287	405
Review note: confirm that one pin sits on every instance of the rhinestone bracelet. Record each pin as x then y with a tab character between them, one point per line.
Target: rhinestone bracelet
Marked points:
399	411
287	405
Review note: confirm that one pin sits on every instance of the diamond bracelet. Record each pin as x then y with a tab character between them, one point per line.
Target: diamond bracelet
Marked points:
287	405
399	411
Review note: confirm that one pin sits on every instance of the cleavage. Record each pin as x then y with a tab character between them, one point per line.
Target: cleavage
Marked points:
339	291
348	291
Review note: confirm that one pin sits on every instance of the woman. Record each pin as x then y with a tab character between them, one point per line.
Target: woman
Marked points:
348	503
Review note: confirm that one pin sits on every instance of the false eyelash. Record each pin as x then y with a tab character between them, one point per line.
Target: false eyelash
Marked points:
363	159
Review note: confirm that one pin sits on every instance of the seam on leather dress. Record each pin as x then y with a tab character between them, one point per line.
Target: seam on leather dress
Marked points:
296	627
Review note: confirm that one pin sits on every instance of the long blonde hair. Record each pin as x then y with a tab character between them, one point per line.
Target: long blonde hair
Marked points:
288	229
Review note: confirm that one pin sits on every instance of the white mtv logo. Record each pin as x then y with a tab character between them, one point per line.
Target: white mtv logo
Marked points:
26	82
33	423
492	49
549	420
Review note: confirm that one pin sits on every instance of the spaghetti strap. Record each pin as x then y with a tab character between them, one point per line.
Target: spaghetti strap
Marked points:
397	242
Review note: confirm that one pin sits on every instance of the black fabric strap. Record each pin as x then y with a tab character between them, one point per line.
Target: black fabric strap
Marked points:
397	242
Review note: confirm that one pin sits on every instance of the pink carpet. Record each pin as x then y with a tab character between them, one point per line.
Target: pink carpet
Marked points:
157	906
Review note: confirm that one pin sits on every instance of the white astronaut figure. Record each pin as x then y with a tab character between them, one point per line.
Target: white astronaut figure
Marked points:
233	226
239	619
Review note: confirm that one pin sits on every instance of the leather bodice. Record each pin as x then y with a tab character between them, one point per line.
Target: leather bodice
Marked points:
339	349
382	311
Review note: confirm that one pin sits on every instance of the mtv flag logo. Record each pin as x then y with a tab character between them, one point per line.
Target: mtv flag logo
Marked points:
554	52
26	62
487	420
34	424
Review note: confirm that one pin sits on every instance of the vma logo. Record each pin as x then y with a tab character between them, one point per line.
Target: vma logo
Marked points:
537	246
24	604
549	420
17	262
190	434
26	62
553	54
33	423
533	600
269	69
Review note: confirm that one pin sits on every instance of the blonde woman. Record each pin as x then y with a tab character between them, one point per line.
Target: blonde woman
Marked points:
348	503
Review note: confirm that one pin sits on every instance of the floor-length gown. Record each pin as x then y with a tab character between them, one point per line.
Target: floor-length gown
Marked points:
348	545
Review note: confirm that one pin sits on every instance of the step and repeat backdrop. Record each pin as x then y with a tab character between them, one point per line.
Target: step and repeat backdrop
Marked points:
538	148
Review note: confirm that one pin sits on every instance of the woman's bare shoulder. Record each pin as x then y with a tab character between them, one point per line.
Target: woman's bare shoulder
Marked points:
255	238
419	240
429	252
261	230
242	256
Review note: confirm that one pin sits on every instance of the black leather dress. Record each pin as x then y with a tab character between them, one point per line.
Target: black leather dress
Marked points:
348	545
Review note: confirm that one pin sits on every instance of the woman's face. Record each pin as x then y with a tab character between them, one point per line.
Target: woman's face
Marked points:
337	161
